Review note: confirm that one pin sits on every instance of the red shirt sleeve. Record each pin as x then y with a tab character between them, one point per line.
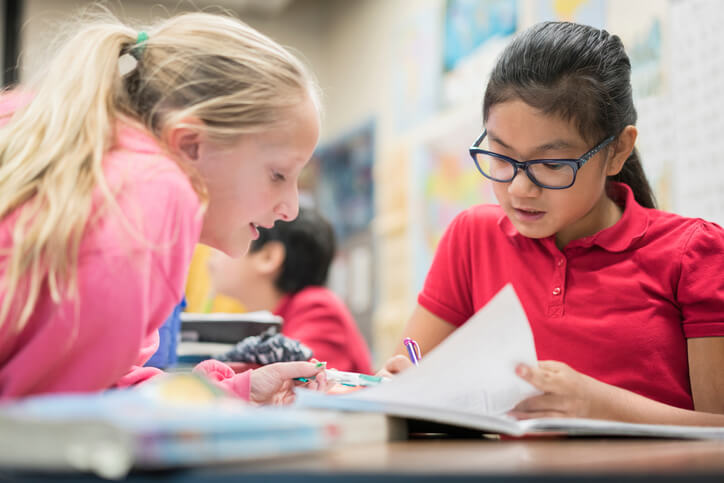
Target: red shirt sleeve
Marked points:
701	285
320	325
447	292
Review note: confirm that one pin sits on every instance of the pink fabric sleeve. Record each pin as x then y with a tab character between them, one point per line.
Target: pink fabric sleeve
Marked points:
93	344
132	269
138	373
224	377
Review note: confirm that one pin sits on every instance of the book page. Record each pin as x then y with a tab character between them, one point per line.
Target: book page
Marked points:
473	370
597	427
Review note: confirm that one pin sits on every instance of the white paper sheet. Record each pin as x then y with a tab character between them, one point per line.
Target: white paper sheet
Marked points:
473	370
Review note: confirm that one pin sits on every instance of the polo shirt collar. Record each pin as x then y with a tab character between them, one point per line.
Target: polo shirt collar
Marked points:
629	229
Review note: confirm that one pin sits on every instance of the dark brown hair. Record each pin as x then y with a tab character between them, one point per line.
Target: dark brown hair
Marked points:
579	73
310	246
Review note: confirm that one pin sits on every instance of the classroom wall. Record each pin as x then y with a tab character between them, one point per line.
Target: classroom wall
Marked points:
383	61
43	19
380	62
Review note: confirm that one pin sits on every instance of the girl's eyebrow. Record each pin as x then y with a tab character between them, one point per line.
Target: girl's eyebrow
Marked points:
549	146
497	140
553	145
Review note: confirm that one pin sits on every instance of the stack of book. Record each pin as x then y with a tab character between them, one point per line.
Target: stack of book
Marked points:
176	420
208	335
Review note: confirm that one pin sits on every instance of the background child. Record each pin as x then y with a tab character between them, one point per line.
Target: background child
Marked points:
109	178
623	299
284	272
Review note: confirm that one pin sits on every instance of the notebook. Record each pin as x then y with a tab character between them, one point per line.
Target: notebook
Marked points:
475	384
226	328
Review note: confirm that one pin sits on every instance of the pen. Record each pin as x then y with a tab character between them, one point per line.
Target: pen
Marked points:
352	378
413	350
347	378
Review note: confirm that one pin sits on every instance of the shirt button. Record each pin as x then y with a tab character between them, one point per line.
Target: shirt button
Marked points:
557	291
560	262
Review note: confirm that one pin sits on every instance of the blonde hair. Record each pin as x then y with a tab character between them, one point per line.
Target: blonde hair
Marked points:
208	67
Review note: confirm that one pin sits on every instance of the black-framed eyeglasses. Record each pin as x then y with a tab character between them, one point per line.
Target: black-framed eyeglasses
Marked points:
553	174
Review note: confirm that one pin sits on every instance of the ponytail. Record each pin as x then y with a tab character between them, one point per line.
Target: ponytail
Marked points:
633	175
51	155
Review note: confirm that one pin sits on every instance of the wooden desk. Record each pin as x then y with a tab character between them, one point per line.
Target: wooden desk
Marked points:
533	457
534	460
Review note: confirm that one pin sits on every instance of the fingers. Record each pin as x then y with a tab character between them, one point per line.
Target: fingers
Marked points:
553	366
384	373
396	364
544	402
291	370
214	370
535	415
545	379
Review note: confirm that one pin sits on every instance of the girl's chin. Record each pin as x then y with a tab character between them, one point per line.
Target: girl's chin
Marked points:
531	231
238	247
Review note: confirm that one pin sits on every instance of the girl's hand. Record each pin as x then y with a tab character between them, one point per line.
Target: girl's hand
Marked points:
566	393
274	383
394	365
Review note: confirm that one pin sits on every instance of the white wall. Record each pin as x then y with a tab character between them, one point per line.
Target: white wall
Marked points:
298	26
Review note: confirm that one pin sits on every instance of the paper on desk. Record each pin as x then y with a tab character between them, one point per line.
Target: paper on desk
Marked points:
472	370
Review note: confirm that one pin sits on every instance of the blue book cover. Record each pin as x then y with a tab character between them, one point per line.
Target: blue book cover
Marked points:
172	420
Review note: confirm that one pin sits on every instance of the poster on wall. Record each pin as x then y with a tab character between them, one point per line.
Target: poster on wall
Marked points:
697	61
339	179
416	79
475	34
644	30
589	12
471	23
446	182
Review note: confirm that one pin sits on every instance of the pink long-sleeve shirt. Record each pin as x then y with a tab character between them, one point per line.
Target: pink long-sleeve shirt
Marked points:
131	272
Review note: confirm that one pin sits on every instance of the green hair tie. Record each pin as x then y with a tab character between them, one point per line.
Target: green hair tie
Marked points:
140	45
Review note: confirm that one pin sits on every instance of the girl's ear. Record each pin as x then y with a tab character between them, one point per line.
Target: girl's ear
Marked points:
623	147
270	258
183	141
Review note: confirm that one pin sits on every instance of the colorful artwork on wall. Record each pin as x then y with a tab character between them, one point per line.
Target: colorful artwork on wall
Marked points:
339	179
471	23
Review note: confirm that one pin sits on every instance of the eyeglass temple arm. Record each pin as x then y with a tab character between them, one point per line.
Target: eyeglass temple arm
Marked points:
480	138
595	150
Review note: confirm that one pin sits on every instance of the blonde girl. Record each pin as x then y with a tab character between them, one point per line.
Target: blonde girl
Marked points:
130	149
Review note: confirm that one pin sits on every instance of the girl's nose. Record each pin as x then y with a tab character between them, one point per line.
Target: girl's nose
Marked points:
522	186
288	208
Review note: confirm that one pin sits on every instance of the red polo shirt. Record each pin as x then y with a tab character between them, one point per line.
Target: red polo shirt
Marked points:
618	305
320	320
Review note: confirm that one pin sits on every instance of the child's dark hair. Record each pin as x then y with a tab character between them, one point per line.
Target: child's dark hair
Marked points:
310	247
579	73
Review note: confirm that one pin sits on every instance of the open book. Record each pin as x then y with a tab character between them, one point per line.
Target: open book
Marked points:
469	380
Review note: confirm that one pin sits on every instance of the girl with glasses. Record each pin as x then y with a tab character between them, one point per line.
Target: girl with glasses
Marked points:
129	150
626	302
